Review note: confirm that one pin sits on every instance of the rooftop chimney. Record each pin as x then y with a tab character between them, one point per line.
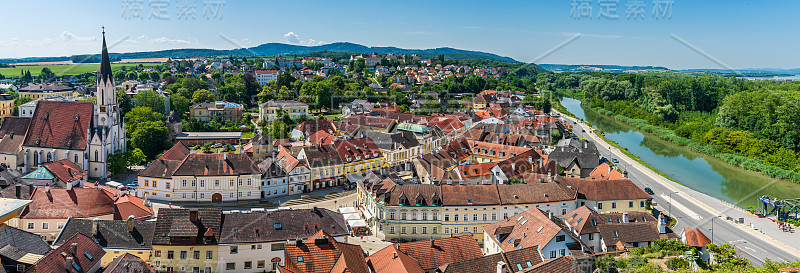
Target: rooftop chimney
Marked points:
74	249
130	223
625	217
394	255
68	264
501	267
550	215
193	215
432	243
95	227
18	188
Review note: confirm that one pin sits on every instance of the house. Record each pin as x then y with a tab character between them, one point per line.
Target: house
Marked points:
50	208
325	165
533	228
116	237
6	105
274	181
606	172
614	231
223	111
611	195
379	124
357	107
434	253
389	260
187	240
322	138
62	173
577	163
128	263
38	91
7	87
79	253
265	76
298	171
261	146
512	261
268	111
307	128
359	155
398	149
12	135
256	241
20	249
695	238
321	253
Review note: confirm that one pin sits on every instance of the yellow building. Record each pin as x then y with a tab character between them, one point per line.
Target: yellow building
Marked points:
6	105
38	91
606	196
325	165
220	110
116	237
191	246
10	209
359	155
268	111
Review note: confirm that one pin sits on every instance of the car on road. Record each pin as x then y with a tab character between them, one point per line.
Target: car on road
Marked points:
217	145
649	191
614	160
582	130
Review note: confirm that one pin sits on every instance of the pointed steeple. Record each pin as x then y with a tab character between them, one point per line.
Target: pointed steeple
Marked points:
105	62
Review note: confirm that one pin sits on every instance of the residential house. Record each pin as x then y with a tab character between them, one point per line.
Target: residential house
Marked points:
261	145
274	181
357	107
435	253
116	237
268	111
255	241
12	135
62	173
6	105
371	123
265	76
398	149
604	231
322	253
79	254
512	261
223	111
327	169
20	249
299	172
187	240
359	155
533	228
611	195
155	181
50	208
577	162
38	91
695	238
128	263
307	128
390	260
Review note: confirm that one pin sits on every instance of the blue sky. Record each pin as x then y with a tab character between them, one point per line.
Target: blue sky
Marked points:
739	34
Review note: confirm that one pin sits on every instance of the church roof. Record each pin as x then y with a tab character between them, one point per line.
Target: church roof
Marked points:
173	117
60	124
105	63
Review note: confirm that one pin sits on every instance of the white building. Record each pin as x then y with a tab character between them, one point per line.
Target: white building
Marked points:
532	228
264	76
274	181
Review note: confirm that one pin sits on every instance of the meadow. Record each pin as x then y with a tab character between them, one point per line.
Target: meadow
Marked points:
65	69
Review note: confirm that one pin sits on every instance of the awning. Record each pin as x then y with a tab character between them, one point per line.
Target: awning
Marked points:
346	210
367	215
357	223
354	177
351	216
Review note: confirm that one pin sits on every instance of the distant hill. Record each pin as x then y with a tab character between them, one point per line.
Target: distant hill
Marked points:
750	72
284	49
600	68
450	53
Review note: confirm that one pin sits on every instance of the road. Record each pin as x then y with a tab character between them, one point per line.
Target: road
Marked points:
689	211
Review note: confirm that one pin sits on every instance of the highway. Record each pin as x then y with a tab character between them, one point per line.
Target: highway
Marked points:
686	209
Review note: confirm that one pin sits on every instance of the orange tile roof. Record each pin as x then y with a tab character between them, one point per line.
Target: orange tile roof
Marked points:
526	229
605	172
443	251
696	238
391	260
476	169
322	254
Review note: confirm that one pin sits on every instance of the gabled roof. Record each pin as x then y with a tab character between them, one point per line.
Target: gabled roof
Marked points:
161	168
111	233
282	103
322	254
606	172
269	169
128	263
562	264
322	156
205	229
60	124
179	151
534	191
368	121
525	257
607	190
443	250
88	255
217	164
391	260
23	240
466	195
321	137
60	203
65	170
694	237
527	229
13	133
357	149
280	225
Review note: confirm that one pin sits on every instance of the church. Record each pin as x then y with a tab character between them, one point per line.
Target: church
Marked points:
83	132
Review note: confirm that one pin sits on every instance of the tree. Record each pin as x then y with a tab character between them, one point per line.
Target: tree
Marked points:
144	76
441	58
125	102
180	104
46	74
139	115
118	162
150	137
202	95
150	99
131	76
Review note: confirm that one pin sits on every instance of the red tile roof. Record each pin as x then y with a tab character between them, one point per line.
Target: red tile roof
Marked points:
374	122
60	203
357	149
312	126
217	164
60	124
476	169
526	229
695	237
12	133
321	138
56	260
179	151
605	172
607	190
466	195
322	254
558	265
444	251
66	170
391	260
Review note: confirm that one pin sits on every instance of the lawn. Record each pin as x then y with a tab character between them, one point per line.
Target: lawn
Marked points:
63	69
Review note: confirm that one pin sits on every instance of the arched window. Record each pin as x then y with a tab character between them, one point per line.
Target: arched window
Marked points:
35	158
49	157
96	156
76	158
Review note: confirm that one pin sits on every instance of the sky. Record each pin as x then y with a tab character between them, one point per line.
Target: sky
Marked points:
679	34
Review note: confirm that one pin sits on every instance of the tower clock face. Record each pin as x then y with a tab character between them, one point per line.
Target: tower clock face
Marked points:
103	119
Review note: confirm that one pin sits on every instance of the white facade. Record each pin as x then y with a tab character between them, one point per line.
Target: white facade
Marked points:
206	188
255	254
299	179
264	77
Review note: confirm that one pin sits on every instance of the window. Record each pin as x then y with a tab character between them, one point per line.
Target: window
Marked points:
146	183
435	216
183	183
447	217
630	204
402	216
563	252
20	268
447	230
209	254
170	254
413	230
552	254
167	184
475	217
641	204
391	215
216	183
248	265
424	230
155	184
276	247
560	238
391	230
230	266
183	254
475	230
234	249
202	183
240	181
591	236
599	205
455	218
485	217
231	182
194	183
260	264
494	216
424	216
455	230
196	255
613	205
434	230
45	226
249	181
157	253
402	230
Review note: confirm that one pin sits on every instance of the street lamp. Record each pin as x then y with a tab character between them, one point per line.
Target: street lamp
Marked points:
669	211
712	227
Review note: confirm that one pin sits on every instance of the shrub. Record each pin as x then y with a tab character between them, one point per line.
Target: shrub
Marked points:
677	263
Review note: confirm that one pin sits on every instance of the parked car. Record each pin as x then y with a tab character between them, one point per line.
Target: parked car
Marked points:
614	160
649	191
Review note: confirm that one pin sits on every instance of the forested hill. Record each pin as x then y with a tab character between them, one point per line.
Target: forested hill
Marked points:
281	49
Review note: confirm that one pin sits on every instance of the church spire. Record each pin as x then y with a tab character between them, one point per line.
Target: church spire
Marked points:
105	63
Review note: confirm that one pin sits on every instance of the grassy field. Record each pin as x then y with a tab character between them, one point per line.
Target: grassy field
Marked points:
69	69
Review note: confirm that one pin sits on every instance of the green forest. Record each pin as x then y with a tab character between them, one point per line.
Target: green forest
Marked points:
753	124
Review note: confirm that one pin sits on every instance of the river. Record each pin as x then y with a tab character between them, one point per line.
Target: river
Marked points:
699	172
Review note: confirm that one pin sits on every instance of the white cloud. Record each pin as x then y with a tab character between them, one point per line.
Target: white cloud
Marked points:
69	36
294	38
167	41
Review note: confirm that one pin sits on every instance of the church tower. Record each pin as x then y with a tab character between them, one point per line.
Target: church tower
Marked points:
108	129
106	92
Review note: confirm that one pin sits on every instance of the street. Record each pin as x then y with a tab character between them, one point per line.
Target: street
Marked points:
689	212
